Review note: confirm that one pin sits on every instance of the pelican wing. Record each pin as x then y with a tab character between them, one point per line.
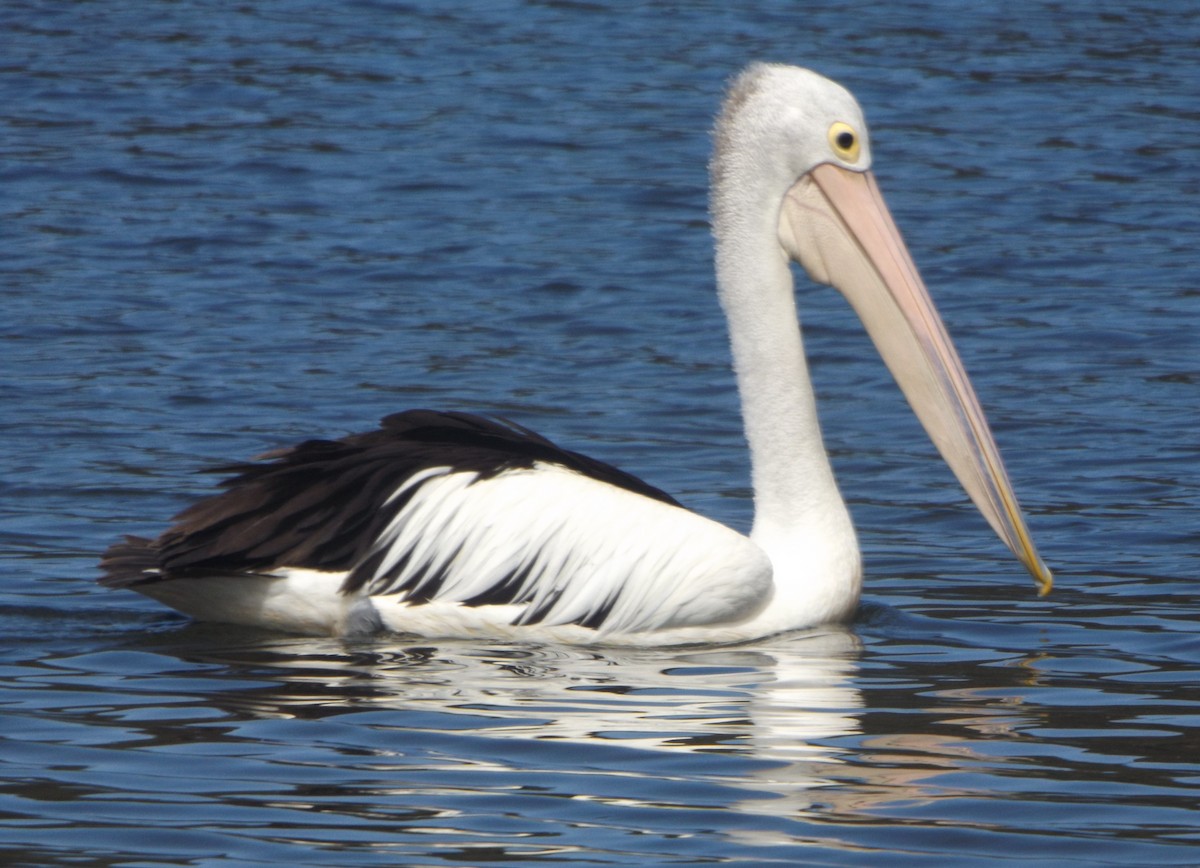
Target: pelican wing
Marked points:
563	548
437	507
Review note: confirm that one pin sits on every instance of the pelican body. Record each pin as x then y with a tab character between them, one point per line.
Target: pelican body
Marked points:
448	524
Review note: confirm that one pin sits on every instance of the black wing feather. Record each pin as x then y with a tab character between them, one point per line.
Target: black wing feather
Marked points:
323	503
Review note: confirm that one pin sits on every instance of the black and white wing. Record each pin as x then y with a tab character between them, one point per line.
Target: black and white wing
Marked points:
435	508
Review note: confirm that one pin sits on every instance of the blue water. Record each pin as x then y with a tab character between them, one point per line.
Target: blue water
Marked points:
229	227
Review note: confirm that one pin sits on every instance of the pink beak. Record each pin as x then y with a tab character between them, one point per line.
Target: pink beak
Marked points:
835	223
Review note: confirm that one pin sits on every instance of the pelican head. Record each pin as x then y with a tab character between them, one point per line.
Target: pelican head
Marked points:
793	165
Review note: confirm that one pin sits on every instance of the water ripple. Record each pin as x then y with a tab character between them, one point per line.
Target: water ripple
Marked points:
229	230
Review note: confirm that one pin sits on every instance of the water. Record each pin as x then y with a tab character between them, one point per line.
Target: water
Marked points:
227	228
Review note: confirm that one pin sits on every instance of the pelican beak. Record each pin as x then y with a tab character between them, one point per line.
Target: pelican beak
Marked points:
834	222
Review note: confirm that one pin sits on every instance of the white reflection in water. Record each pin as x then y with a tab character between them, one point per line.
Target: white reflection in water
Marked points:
778	705
772	736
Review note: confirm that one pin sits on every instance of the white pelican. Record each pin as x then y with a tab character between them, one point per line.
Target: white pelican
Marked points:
446	524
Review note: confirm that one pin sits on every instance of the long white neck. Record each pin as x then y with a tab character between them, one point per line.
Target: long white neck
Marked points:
800	519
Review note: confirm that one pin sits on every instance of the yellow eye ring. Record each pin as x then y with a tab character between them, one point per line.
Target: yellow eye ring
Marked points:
845	142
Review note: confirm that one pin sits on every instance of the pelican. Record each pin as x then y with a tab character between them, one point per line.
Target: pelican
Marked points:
453	525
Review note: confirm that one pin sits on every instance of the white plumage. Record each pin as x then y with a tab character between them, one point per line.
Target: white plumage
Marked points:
655	567
452	525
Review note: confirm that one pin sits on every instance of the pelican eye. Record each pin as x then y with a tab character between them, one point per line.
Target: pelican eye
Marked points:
845	142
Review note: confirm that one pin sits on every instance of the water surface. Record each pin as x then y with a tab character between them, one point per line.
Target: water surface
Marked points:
230	228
